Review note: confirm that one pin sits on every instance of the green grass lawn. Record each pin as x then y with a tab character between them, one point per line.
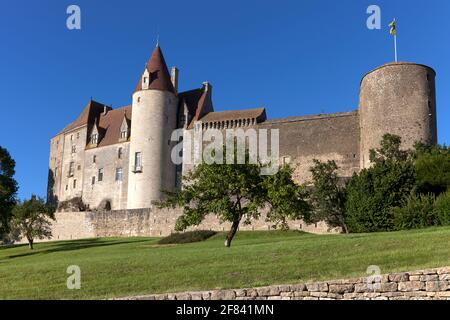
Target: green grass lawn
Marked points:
115	267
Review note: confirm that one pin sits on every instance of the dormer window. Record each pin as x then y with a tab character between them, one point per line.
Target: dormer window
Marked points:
145	79
123	135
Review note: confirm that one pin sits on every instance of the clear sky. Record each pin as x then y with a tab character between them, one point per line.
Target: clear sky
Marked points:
291	57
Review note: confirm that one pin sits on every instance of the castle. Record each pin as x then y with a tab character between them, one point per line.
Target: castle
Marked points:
118	159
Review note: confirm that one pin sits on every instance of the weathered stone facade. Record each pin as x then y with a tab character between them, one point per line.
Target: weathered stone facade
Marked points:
431	284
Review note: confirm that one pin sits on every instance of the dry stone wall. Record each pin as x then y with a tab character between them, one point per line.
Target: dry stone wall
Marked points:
432	284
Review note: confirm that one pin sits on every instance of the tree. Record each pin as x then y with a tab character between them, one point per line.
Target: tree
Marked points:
31	219
328	194
374	191
8	189
235	193
432	166
389	150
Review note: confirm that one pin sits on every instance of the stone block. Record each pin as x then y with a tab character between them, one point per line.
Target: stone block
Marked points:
430	277
341	288
411	286
223	295
398	277
436	285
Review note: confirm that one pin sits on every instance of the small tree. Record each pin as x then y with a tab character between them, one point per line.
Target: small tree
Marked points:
8	189
328	194
235	193
31	219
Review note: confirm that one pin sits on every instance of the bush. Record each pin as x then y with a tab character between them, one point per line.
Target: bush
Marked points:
432	165
442	208
373	192
416	211
187	237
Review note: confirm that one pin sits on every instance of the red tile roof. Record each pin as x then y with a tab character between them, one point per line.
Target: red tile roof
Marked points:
91	111
111	123
159	74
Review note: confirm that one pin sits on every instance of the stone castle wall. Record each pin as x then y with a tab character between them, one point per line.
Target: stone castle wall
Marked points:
151	222
432	284
322	137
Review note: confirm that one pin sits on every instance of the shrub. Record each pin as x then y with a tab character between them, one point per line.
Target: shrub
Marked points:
415	211
187	237
442	208
373	192
432	166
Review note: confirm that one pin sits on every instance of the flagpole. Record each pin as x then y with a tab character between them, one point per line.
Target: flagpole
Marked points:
395	47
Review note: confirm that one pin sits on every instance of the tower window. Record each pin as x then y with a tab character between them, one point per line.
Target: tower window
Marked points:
94	159
74	149
119	174
100	175
139	99
119	153
145	79
93	180
137	162
74	183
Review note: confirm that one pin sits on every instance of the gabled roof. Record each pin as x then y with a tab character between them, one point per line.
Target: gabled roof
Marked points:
111	123
91	111
159	74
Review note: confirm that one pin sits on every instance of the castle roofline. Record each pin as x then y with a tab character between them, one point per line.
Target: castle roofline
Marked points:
313	117
394	64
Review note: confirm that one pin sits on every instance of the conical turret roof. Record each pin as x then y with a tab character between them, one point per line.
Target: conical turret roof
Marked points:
159	73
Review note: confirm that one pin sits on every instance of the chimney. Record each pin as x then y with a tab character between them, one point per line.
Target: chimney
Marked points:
174	78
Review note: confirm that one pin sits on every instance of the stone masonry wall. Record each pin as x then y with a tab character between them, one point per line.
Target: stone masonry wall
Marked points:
151	222
432	284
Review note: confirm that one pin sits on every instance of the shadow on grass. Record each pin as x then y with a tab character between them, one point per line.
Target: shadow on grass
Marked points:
75	245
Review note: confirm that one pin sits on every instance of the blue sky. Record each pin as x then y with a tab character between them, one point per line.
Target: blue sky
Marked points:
291	57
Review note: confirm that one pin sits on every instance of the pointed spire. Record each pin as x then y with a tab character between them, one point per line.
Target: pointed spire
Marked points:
159	73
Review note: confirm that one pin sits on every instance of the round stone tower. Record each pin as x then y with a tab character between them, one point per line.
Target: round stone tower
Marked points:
397	98
154	113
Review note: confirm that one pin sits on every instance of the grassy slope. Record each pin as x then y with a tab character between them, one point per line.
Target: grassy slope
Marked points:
112	267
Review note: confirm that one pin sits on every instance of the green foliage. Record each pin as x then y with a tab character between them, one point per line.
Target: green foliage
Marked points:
374	191
432	165
415	211
8	189
31	219
442	208
235	192
328	195
187	237
285	199
389	150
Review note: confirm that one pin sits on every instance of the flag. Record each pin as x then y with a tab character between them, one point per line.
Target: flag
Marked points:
392	29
